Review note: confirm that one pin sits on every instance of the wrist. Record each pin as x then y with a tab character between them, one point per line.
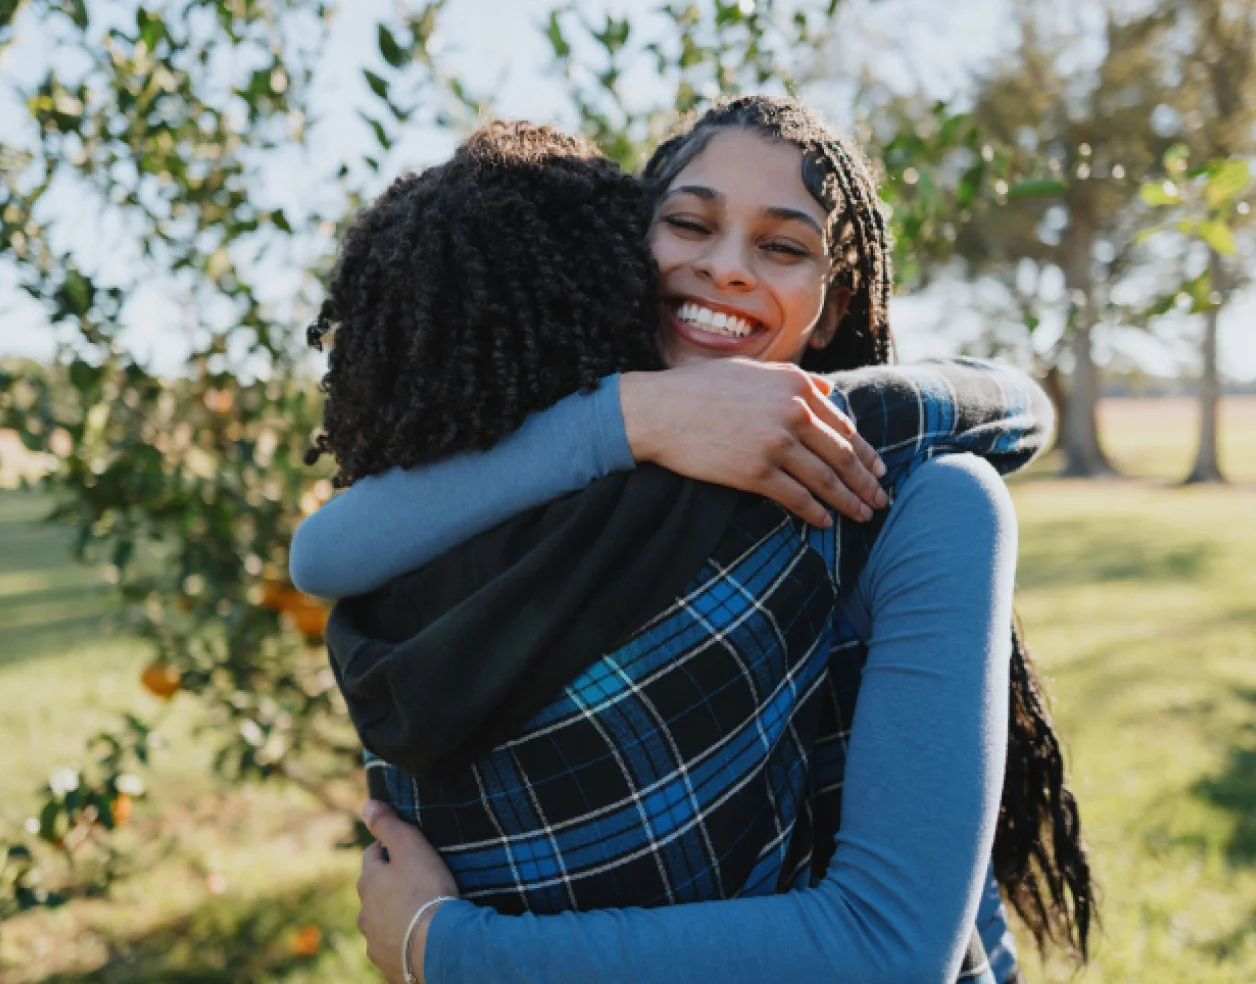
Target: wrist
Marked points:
636	406
415	943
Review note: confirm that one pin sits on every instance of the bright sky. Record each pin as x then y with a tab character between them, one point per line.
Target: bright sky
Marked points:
497	45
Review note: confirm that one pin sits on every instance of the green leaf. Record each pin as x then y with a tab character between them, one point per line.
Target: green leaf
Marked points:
1226	182
1175	159
77	9
1041	188
554	32
280	220
380	133
391	51
1160	195
48	821
1218	236
378	85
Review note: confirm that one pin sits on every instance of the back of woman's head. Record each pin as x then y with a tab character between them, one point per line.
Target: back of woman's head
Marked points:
478	291
839	176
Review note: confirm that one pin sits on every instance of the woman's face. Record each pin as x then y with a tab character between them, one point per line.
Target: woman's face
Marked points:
743	256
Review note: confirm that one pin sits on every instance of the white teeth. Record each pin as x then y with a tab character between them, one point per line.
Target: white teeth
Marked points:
716	322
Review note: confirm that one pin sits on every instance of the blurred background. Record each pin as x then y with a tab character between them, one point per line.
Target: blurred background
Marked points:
1071	185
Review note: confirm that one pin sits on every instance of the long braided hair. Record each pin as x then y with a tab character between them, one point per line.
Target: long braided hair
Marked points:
1039	858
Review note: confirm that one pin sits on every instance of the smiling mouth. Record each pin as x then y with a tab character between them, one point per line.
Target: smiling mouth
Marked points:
703	318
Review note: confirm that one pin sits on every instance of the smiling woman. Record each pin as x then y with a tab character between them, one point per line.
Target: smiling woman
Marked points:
743	241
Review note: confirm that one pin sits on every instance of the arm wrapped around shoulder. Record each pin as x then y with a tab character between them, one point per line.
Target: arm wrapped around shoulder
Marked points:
937	407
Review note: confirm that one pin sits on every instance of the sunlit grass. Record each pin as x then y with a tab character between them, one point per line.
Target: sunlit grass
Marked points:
1139	599
1140	603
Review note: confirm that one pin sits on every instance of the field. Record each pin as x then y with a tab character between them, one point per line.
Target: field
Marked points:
1139	598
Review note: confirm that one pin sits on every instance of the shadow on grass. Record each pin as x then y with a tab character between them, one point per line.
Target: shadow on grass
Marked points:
1233	789
49	602
227	942
1094	551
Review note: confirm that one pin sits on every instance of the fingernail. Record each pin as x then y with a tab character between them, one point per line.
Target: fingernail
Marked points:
883	500
865	513
370	812
879	468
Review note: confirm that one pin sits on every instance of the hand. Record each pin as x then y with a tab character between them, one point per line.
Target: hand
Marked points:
392	890
767	428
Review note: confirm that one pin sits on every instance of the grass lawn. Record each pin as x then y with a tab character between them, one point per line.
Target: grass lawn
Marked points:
1139	599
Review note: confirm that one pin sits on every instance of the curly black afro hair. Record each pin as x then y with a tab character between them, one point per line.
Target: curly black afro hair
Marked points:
478	291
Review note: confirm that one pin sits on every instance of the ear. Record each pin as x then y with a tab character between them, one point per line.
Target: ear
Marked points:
835	307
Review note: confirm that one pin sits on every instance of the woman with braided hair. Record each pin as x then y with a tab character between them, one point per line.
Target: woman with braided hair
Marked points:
699	226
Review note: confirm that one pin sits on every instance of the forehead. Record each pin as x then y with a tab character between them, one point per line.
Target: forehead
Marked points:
751	171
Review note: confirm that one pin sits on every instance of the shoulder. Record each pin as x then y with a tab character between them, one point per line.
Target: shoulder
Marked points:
953	518
953	485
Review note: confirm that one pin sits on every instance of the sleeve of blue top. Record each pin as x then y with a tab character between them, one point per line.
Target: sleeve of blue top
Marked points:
923	777
398	520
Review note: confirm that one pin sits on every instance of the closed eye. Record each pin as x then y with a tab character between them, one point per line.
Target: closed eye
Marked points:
787	249
688	225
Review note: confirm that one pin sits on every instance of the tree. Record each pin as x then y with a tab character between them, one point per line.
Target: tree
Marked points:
1074	141
1217	64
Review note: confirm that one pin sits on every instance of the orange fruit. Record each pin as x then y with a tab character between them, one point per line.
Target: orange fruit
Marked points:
306	941
122	809
160	679
310	620
275	595
308	614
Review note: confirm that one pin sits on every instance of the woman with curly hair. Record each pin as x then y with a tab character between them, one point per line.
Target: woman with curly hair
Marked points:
715	304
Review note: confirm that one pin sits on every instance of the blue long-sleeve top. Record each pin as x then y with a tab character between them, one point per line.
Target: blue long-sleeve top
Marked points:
922	778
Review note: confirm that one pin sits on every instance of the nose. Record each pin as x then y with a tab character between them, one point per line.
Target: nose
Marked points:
726	264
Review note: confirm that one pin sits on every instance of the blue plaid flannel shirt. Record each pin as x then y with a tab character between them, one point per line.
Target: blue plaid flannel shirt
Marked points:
704	759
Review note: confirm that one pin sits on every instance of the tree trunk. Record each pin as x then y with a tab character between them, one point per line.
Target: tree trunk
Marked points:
1207	466
1053	382
1083	453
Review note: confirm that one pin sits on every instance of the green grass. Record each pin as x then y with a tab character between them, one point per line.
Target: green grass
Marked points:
1140	603
1139	599
64	676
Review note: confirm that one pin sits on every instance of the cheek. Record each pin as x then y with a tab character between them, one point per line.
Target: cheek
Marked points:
664	249
800	292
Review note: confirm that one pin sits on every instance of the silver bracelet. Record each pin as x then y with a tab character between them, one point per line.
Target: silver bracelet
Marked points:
424	909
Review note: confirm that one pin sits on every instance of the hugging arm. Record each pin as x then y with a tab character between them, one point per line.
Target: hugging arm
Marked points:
751	426
397	521
922	789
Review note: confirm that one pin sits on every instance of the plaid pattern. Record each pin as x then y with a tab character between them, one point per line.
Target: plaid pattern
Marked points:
703	759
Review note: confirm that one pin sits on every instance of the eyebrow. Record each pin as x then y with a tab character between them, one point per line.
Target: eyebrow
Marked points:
779	212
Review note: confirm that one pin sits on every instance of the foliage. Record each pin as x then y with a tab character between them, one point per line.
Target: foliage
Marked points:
188	489
1203	204
1076	142
702	52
